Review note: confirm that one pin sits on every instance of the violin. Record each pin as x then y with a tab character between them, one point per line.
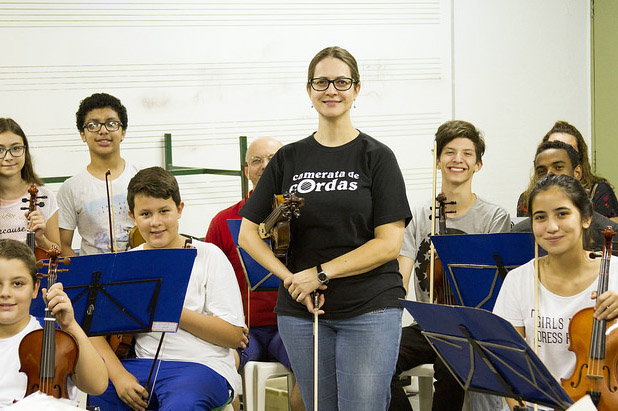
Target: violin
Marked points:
121	344
595	343
135	237
33	202
276	226
441	286
48	356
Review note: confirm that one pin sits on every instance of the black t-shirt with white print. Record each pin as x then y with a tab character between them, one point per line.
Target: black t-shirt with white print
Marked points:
348	190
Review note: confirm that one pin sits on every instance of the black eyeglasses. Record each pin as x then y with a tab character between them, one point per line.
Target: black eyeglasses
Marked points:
16	151
340	83
110	125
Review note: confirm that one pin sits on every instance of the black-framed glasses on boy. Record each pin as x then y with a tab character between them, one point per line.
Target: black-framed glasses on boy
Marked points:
110	125
340	83
257	161
16	151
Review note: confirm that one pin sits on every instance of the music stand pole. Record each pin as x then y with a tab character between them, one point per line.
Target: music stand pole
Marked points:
475	346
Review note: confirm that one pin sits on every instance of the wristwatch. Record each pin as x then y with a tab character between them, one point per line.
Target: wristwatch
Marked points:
322	277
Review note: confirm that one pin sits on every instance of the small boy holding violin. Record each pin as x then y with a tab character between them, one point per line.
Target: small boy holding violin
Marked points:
197	370
18	287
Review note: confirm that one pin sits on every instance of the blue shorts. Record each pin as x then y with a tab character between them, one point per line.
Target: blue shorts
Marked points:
179	386
264	345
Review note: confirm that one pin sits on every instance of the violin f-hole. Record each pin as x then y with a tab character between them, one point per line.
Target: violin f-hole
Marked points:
609	374
579	377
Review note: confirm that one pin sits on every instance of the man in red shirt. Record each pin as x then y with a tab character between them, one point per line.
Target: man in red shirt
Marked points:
264	341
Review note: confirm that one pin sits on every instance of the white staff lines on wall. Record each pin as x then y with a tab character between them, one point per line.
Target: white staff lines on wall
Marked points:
216	139
401	124
223	74
218	133
209	190
31	14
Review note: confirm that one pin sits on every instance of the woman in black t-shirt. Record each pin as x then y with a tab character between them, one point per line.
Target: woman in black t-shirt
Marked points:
344	244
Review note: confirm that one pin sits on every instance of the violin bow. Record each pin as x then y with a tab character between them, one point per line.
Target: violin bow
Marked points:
316	305
154	361
110	211
432	250
537	280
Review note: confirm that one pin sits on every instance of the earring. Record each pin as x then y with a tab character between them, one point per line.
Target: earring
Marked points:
354	103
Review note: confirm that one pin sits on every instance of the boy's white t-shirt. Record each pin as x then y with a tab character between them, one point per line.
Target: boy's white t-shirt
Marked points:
212	290
82	203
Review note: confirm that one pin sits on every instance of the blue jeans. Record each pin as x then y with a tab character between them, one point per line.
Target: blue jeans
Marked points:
356	359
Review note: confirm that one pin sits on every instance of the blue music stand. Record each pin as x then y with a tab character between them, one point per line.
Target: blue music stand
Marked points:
258	277
129	292
476	264
486	354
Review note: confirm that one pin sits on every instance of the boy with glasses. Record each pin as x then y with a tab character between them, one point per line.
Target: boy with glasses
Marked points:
102	123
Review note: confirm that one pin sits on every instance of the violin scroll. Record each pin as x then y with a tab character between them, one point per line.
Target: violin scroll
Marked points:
33	202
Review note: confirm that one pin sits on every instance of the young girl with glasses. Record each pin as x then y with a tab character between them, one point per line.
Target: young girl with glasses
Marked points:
16	177
344	245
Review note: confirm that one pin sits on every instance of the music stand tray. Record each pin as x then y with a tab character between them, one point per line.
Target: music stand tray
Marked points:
476	264
258	277
129	292
486	354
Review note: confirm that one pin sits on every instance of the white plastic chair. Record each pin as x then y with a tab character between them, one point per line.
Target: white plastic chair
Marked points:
255	374
424	373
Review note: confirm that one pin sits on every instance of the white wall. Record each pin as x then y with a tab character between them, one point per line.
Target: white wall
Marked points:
210	71
518	67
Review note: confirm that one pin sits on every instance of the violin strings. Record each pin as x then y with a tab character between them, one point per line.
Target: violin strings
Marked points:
270	221
49	338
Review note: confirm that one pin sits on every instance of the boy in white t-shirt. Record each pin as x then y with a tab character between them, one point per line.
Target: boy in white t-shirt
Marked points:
197	371
82	200
18	287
